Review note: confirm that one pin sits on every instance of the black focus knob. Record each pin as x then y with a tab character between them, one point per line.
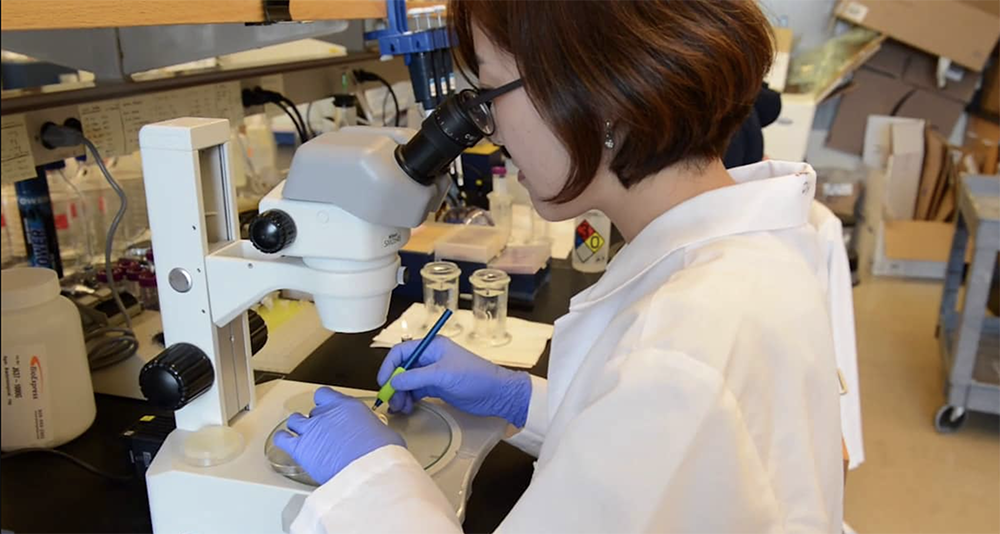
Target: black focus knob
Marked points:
272	231
176	376
258	331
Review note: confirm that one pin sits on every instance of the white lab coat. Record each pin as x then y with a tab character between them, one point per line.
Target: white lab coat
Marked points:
841	304
692	388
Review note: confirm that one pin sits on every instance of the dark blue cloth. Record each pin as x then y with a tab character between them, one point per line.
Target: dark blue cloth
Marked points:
747	145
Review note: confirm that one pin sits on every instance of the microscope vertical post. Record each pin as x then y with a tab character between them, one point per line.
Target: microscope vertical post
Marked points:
191	201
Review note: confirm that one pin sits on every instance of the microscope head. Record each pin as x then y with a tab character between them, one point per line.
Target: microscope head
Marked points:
349	201
355	169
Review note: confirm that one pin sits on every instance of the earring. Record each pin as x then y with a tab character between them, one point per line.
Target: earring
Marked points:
609	138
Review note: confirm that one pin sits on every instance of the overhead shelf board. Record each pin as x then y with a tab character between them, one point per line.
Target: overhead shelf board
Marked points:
68	14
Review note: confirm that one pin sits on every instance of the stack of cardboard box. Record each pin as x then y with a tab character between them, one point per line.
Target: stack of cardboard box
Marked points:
900	81
964	31
913	180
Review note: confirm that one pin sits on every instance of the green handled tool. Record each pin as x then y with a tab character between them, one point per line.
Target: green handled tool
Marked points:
387	390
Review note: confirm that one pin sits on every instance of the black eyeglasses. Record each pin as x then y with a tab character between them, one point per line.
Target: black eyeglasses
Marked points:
460	122
479	105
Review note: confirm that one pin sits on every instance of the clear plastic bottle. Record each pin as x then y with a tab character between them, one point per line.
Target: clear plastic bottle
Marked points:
148	293
13	239
49	395
345	112
95	205
590	246
14	252
67	212
501	203
132	276
117	275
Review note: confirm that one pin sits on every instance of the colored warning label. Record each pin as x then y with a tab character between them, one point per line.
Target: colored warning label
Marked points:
588	241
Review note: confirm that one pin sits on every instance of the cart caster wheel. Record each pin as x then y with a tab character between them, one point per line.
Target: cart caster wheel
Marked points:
949	419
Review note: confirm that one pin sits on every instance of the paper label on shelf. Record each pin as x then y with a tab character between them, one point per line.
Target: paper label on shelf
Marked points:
196	102
136	112
18	161
275	83
113	125
169	105
229	102
102	124
855	12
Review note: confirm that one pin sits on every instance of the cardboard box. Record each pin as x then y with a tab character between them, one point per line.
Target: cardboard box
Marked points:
964	31
982	141
896	145
879	142
940	112
935	152
876	93
873	93
891	59
921	71
989	101
915	249
903	169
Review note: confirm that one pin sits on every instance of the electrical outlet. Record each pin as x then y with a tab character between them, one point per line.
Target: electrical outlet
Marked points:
34	120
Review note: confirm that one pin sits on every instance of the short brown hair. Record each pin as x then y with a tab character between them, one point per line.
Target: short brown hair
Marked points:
675	77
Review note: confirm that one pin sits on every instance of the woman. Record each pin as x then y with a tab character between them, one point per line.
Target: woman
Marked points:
693	387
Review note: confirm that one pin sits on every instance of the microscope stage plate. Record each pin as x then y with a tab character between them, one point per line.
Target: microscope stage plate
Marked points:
431	435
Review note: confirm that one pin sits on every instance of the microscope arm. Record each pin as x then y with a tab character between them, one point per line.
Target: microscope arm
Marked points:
347	300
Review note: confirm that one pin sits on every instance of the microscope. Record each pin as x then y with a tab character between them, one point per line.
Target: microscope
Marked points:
333	229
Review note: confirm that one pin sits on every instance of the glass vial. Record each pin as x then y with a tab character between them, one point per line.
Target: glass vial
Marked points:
490	288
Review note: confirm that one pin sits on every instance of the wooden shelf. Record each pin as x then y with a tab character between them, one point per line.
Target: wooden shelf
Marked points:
68	14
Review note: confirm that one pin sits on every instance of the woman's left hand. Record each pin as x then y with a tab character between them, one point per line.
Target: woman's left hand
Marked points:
339	430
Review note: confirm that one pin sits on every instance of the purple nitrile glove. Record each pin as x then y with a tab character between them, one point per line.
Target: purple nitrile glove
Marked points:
449	372
339	430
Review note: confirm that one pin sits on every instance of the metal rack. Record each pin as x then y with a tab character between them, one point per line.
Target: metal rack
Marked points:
969	340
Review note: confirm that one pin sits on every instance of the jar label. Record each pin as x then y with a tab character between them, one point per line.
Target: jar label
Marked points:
25	390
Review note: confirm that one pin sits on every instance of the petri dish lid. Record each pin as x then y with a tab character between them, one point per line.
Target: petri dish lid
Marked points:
430	434
212	445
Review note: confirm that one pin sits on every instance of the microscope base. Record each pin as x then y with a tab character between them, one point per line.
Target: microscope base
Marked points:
247	495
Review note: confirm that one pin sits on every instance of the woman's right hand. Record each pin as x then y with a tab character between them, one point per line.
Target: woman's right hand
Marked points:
449	372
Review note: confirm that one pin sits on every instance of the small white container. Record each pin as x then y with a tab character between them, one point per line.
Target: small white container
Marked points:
478	244
48	398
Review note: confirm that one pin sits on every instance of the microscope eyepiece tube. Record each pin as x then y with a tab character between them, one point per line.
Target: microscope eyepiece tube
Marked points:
450	129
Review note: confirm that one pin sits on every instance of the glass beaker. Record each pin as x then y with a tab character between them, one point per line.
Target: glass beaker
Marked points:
441	292
489	307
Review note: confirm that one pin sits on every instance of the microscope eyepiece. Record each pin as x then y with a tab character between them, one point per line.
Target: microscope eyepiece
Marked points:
455	125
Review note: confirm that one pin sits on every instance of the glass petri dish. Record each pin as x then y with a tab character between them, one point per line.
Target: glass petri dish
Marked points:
431	435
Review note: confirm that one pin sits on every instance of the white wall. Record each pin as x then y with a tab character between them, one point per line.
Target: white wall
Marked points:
810	20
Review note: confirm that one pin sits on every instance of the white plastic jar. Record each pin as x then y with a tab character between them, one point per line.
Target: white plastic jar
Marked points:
48	398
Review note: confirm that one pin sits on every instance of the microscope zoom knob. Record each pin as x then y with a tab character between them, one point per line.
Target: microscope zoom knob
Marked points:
258	331
176	376
272	231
